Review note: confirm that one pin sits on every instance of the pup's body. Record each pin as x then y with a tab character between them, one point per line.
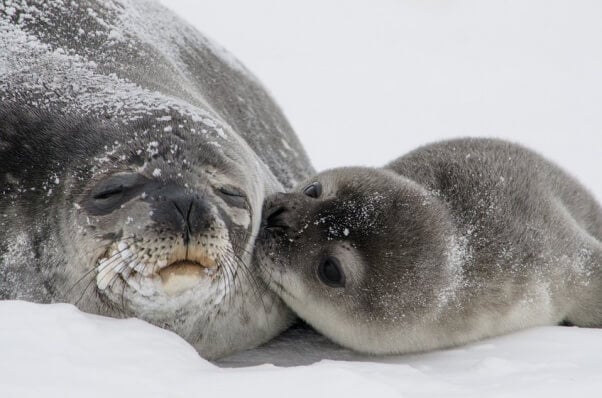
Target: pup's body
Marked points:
451	243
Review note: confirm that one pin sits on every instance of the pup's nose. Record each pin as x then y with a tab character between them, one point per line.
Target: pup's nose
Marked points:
277	215
275	218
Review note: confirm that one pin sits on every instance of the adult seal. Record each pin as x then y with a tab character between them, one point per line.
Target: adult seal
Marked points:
135	156
453	242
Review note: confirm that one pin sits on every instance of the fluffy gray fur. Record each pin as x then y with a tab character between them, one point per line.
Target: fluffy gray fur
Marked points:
453	242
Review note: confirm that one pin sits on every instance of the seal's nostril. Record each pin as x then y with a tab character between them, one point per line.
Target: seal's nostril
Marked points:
275	211
274	218
182	212
185	215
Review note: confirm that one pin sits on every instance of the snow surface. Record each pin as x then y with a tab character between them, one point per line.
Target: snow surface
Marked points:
57	351
402	73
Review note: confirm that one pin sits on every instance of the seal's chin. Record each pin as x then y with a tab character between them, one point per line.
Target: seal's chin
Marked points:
183	275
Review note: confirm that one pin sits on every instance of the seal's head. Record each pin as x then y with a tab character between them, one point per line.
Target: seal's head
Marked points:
135	155
360	254
155	220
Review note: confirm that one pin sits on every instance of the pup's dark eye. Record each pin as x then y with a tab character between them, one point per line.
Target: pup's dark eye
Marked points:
233	196
331	273
313	190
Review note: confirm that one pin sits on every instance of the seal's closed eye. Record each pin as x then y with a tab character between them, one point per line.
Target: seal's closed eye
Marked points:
233	196
112	192
109	192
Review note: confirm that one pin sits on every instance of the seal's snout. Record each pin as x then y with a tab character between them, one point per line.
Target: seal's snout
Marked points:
191	213
276	219
183	212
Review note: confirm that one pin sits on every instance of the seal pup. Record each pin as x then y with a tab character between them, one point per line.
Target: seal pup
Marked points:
135	156
453	242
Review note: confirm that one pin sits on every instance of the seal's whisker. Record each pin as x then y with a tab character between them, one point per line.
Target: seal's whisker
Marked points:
233	264
244	263
221	280
98	268
231	282
123	293
114	267
259	290
247	274
237	247
84	291
112	263
250	278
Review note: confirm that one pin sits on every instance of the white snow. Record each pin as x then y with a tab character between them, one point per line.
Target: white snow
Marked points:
362	83
57	351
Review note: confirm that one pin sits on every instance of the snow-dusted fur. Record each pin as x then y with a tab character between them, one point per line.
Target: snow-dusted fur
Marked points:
121	102
453	242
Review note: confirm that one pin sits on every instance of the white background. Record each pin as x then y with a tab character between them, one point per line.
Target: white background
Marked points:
363	82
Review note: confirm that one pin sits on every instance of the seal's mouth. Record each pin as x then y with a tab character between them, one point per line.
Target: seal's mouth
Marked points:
185	274
185	266
172	273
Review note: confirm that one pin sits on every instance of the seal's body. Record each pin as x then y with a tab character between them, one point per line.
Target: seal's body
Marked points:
451	243
135	156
